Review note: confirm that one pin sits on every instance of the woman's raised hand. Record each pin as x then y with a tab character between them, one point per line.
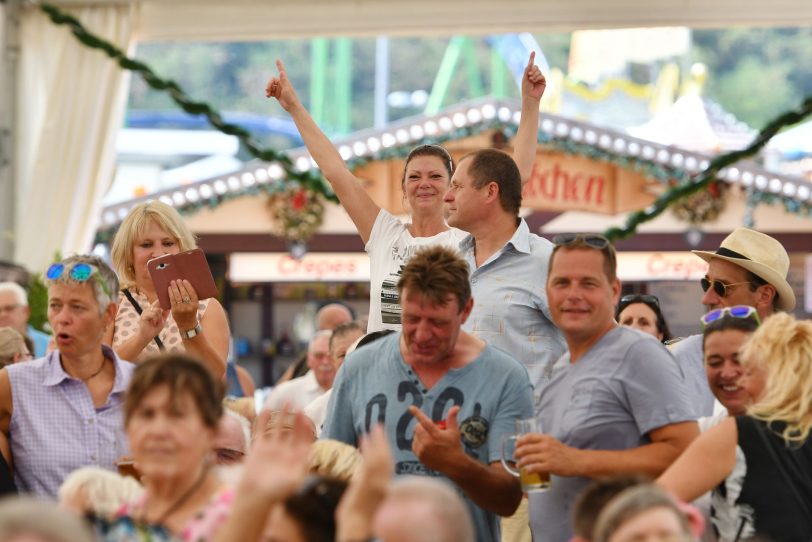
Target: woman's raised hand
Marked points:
533	81
279	87
279	457
367	488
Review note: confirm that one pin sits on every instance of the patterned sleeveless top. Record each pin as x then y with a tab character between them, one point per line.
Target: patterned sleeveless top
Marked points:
128	319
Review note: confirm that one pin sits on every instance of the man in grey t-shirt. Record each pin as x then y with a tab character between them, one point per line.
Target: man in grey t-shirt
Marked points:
617	402
749	268
445	398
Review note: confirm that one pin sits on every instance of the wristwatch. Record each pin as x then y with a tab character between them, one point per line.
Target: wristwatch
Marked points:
192	333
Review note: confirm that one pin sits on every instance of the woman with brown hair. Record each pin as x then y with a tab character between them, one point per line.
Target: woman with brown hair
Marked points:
389	242
171	412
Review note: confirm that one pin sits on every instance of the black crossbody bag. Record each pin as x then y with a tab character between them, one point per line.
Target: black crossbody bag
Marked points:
139	310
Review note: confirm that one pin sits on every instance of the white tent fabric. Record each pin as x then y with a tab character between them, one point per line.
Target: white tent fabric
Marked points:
71	101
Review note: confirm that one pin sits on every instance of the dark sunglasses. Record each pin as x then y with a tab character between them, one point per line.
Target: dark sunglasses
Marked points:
737	311
593	240
648	299
719	287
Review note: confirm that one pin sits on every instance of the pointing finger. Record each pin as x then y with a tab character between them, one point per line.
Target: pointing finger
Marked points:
531	60
422	419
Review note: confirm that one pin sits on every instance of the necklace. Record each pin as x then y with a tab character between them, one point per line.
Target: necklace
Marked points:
180	500
101	367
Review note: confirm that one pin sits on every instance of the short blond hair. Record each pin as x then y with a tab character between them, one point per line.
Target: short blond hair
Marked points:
27	516
134	226
12	344
782	346
334	459
106	491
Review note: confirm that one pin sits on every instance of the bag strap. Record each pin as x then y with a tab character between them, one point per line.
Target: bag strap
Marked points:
139	310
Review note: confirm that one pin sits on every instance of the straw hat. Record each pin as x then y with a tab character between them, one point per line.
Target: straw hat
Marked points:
761	255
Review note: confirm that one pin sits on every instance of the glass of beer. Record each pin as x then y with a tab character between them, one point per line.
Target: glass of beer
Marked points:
532	482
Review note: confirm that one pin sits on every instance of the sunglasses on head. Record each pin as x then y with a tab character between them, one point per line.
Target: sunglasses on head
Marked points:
737	311
648	299
79	272
593	240
719	287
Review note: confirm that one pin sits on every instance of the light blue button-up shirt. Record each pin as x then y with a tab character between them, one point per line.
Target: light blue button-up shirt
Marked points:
55	427
510	303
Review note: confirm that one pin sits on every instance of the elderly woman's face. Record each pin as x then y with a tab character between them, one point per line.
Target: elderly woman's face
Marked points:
168	437
154	242
73	313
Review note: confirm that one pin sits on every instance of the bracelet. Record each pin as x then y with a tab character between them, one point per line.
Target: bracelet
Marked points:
192	333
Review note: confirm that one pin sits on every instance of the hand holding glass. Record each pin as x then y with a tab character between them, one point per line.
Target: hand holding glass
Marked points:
531	481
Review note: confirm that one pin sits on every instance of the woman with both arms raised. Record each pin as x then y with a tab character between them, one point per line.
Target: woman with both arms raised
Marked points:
389	242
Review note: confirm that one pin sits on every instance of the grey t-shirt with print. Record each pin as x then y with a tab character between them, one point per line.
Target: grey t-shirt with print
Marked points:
626	385
375	385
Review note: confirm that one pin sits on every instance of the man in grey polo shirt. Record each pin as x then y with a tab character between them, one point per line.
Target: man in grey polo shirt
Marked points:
508	263
617	402
749	268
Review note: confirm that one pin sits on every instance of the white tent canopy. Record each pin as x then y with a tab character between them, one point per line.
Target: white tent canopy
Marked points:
70	99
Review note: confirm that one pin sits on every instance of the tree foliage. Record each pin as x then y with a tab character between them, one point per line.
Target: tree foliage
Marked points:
753	73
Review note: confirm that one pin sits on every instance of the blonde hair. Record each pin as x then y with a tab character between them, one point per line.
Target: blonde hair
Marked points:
448	520
133	227
782	346
106	490
27	516
12	344
632	502
334	459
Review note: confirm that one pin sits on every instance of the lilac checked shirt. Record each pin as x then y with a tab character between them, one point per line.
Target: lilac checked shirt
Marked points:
55	428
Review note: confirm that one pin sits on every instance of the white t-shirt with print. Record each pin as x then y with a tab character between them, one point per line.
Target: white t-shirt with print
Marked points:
389	247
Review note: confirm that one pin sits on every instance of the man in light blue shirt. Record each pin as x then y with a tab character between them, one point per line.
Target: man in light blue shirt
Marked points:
508	264
445	398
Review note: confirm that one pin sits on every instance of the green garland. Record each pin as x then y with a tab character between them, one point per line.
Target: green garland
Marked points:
309	179
314	182
703	179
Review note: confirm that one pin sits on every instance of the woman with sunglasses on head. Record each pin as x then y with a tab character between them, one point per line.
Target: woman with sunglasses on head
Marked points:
389	242
64	411
142	328
725	331
642	311
759	464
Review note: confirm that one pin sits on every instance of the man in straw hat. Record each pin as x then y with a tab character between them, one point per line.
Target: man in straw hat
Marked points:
749	268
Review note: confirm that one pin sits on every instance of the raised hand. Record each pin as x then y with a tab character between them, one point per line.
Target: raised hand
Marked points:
533	81
436	444
367	488
278	460
280	87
